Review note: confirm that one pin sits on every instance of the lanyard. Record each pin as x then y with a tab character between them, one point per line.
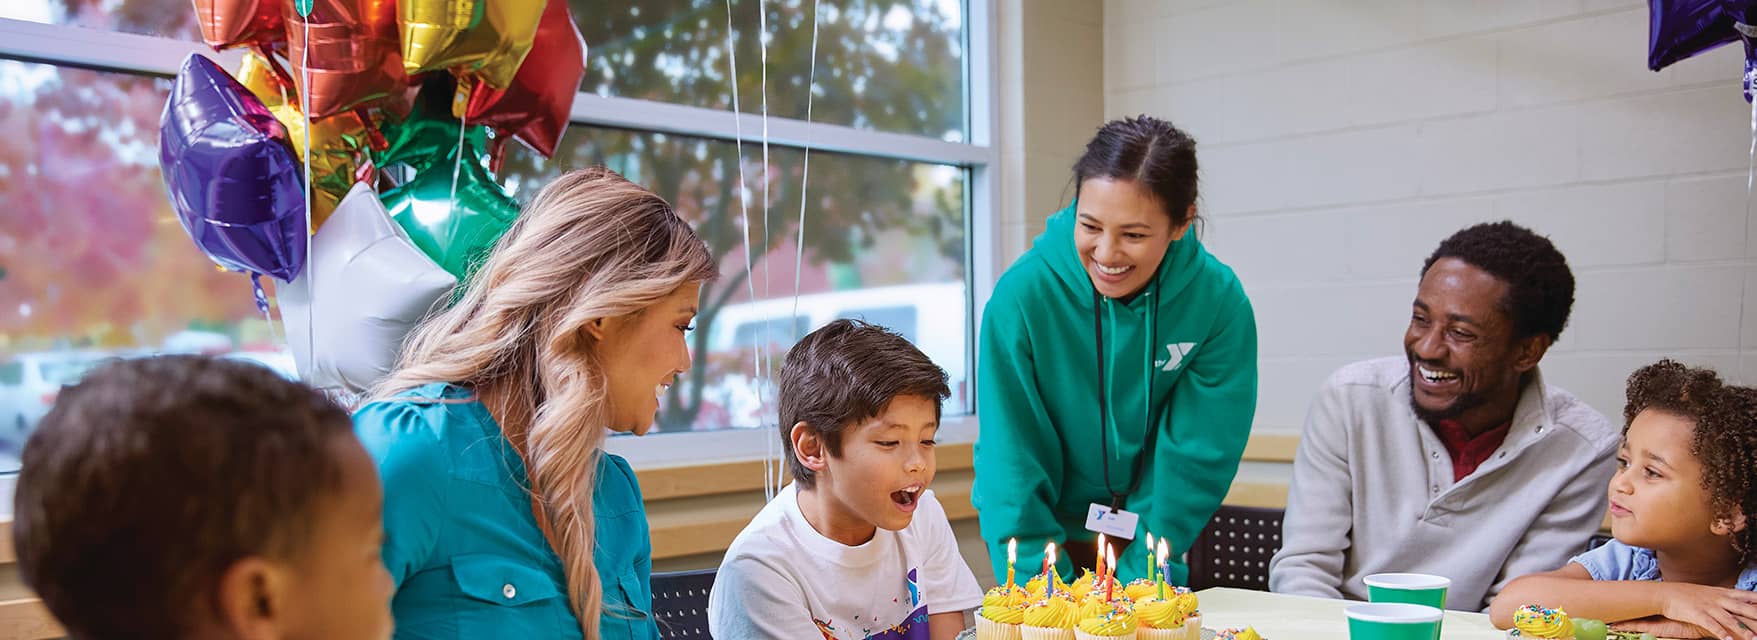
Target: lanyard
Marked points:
1104	422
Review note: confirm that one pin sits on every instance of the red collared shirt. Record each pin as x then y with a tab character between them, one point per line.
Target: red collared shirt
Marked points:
1468	451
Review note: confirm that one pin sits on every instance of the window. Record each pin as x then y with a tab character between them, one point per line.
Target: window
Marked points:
883	65
896	196
879	233
899	319
93	263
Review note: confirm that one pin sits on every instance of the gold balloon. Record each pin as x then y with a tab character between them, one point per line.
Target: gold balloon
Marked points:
484	38
338	142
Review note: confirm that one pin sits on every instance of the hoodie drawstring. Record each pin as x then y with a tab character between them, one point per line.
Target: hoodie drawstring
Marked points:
1109	435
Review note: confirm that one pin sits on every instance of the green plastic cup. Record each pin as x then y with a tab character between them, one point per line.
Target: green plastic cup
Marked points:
1411	588
1393	621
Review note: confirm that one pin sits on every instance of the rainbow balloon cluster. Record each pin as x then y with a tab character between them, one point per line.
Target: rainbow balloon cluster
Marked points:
332	93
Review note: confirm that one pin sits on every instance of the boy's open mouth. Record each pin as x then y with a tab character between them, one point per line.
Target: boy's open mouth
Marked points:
906	496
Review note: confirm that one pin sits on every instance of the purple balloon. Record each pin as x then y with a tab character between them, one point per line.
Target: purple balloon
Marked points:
1679	29
231	174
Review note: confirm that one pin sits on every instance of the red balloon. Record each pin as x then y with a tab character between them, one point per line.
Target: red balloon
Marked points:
536	106
354	58
231	23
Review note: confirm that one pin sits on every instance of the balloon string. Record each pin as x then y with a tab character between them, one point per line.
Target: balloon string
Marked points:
451	200
274	333
310	227
766	348
770	487
805	171
1750	175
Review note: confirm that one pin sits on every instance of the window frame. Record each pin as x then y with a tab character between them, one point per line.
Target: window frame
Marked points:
76	46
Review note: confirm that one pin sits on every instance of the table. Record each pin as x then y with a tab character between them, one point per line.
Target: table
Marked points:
1283	617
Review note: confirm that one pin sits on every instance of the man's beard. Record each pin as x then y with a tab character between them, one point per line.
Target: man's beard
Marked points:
1460	404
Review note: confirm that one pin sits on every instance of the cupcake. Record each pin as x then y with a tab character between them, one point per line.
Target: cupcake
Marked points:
1003	608
1158	619
1534	621
1187	605
1051	618
1246	633
1113	622
1142	589
1035	586
1084	586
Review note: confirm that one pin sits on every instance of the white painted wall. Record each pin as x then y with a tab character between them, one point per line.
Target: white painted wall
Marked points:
1341	140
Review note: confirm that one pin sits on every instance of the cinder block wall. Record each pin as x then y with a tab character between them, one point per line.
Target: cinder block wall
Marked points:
1342	140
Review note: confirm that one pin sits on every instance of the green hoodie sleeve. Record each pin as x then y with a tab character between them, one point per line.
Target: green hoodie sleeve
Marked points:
1019	457
1210	413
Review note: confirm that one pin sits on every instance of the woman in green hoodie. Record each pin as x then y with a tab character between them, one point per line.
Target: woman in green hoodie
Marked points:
1118	365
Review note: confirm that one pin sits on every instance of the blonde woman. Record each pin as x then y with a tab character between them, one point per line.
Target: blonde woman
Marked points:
503	516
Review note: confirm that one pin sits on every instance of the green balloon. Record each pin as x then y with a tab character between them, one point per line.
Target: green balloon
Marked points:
428	137
303	7
457	233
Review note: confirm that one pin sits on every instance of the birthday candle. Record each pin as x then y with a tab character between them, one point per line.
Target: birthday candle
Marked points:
1049	561
1162	568
1012	554
1150	557
1098	563
1110	554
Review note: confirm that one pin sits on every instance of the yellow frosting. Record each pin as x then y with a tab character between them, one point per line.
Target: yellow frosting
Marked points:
1054	613
1114	621
1186	603
1542	622
1082	587
1142	589
1159	614
1004	604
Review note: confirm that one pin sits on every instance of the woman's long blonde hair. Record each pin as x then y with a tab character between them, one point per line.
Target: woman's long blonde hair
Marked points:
591	245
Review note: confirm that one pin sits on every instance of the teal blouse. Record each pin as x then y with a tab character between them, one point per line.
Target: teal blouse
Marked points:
461	542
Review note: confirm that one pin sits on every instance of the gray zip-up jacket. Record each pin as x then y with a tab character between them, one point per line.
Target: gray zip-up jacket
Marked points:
1372	491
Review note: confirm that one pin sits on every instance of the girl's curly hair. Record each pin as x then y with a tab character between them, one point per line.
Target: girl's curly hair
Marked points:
1724	440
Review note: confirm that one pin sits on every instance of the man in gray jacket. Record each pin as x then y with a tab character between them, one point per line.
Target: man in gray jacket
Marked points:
1455	459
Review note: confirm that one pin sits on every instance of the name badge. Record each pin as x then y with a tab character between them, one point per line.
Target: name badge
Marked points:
1116	524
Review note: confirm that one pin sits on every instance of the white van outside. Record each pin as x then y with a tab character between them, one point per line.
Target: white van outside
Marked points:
931	316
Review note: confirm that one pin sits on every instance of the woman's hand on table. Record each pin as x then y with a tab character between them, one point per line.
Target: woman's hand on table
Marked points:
1715	612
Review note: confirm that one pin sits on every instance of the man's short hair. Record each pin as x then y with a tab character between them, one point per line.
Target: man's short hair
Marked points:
1540	287
151	477
845	372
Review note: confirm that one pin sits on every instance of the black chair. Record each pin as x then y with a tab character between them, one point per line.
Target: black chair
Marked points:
1234	550
680	603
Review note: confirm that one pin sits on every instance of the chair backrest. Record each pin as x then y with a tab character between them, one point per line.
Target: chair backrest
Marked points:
680	603
1234	550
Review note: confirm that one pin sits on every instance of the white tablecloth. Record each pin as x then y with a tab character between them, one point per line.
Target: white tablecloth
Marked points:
1284	617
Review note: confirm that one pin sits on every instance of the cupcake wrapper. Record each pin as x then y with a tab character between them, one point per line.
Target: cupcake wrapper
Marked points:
1146	633
1193	627
1080	634
990	630
1045	633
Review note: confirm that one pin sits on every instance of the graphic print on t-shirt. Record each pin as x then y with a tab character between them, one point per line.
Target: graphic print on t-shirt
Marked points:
912	627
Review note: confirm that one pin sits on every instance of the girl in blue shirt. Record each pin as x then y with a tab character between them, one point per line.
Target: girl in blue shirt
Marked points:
1681	564
503	515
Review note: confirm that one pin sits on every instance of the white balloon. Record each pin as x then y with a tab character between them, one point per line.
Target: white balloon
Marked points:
364	288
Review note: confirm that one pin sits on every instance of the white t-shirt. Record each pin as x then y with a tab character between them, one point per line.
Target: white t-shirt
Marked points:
783	579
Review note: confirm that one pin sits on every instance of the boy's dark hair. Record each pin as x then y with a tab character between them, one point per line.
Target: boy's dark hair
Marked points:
845	372
1724	440
1149	151
1540	287
152	476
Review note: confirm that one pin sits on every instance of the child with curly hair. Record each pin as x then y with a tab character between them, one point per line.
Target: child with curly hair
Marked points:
1681	564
